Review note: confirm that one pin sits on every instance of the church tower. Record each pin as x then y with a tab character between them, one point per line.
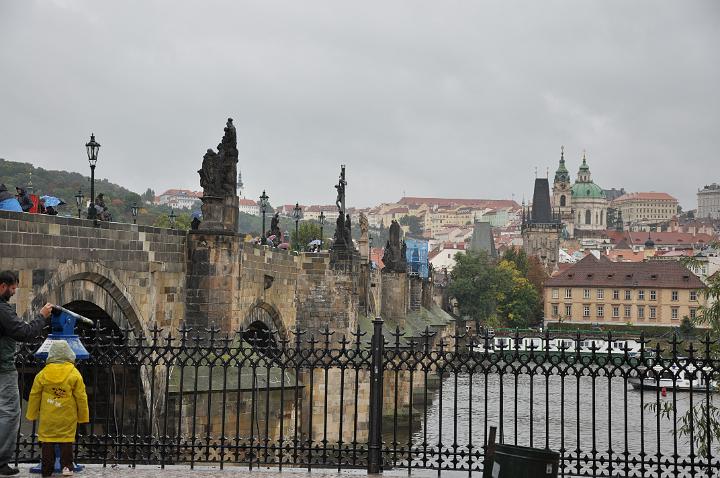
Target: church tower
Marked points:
562	194
541	227
589	203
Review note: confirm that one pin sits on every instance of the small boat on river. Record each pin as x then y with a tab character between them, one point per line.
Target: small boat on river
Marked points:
678	376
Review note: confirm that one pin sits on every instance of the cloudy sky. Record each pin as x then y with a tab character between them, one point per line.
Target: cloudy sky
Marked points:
449	99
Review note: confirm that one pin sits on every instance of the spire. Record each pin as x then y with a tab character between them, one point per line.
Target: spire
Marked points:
562	175
584	171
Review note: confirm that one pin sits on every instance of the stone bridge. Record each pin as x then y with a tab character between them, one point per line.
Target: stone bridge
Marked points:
137	276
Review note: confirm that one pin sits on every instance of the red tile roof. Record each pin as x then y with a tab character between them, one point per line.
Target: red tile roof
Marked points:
591	272
182	192
444	202
246	202
645	196
659	238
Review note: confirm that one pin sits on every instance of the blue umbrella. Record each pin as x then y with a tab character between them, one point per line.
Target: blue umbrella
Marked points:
52	201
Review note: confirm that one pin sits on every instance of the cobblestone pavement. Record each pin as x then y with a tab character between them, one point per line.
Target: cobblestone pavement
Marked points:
177	471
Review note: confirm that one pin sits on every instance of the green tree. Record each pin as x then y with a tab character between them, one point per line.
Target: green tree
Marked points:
473	283
414	224
148	196
493	292
240	184
701	422
182	221
307	231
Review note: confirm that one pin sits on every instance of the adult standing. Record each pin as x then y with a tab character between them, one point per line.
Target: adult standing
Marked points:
12	329
8	202
24	199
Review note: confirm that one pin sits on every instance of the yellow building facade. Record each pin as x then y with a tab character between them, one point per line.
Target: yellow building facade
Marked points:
598	291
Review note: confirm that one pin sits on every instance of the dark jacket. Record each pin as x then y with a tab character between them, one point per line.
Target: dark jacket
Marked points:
12	329
25	200
4	193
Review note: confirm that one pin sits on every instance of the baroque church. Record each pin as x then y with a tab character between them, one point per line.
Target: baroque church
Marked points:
582	205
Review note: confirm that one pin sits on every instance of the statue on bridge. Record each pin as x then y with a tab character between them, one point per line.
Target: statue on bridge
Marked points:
218	176
394	256
342	240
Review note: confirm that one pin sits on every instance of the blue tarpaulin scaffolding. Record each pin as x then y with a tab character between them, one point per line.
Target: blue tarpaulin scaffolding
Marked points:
417	256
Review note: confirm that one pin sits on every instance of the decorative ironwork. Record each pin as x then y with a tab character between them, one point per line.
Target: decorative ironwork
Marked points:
262	398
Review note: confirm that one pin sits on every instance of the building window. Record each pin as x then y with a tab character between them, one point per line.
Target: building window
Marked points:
555	311
568	293
586	293
568	310
674	313
616	311
562	200
586	311
653	312
555	293
653	295
588	216
693	295
627	311
627	295
641	294
693	313
616	294
601	293
674	296
641	311
600	312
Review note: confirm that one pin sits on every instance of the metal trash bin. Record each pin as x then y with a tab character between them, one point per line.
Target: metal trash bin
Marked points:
521	461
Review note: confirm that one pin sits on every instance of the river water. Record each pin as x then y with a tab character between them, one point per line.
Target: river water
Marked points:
564	413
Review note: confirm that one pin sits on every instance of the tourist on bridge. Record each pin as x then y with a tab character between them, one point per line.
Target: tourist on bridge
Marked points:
58	398
24	199
12	328
8	202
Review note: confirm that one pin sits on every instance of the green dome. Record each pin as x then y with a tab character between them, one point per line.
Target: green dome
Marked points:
587	190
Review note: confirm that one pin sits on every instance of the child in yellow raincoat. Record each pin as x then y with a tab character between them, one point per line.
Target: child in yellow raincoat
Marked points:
58	397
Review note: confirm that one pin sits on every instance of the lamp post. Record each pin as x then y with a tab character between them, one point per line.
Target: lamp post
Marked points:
79	200
263	208
134	212
296	215
172	218
92	152
322	223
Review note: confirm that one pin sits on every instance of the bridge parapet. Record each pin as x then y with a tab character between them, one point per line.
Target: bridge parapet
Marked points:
50	252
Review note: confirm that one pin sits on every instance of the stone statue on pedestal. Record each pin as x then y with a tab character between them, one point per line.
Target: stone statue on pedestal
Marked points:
394	256
218	178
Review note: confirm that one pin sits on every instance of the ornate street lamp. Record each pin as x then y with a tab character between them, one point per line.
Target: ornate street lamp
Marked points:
92	152
79	197
134	212
263	208
322	223
296	215
172	218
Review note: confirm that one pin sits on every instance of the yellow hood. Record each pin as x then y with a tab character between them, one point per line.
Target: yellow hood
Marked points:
58	372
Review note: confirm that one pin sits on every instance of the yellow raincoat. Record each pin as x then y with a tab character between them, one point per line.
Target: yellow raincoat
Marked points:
58	397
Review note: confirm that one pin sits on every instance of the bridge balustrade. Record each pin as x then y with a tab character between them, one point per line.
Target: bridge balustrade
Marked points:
378	401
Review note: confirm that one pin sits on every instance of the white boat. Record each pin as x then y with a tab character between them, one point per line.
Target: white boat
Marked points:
679	375
555	346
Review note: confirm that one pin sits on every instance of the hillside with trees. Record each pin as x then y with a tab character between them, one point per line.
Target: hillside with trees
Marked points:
65	185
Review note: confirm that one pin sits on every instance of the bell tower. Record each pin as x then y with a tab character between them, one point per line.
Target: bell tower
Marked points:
562	193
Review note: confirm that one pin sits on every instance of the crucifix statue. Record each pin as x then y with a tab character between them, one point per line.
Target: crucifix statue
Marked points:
340	186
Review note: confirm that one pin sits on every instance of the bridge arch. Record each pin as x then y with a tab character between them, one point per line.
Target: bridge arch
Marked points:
86	284
263	316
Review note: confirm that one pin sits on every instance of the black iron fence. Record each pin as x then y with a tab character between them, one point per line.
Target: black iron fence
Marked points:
379	401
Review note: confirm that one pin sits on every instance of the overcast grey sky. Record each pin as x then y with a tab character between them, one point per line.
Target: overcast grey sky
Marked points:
449	99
